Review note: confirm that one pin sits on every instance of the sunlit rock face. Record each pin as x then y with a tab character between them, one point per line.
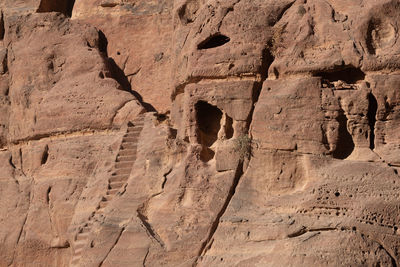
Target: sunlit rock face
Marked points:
199	133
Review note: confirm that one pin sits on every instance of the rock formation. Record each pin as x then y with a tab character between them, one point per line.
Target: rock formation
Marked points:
199	133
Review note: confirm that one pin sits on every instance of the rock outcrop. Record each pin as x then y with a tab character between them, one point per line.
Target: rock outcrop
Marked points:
199	133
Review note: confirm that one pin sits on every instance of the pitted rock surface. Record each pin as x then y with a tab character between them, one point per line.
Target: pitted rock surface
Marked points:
199	133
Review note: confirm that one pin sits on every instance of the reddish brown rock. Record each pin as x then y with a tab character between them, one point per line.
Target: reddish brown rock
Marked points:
275	143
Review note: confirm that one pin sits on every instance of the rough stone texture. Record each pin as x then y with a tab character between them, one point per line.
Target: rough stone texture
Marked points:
199	133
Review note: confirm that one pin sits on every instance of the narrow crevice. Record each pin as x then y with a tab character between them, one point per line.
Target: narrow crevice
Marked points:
148	228
48	195
165	179
2	28
207	243
103	43
372	109
145	257
45	155
267	60
115	243
10	161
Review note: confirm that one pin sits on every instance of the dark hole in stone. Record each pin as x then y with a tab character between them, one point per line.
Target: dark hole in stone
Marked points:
206	154
345	144
45	155
370	43
161	117
118	53
103	42
63	6
228	127
173	133
101	75
48	194
337	194
349	75
2	29
213	41
372	109
208	119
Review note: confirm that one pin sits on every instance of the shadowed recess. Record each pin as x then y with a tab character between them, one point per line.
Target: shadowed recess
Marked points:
348	75
213	41
63	6
2	29
208	120
345	144
372	109
45	155
228	127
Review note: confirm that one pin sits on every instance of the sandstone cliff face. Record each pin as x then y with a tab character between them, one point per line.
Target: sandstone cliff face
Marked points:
199	133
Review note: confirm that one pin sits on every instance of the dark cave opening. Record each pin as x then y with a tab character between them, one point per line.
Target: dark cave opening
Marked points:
208	118
372	109
345	144
349	75
228	127
45	155
2	29
63	6
213	41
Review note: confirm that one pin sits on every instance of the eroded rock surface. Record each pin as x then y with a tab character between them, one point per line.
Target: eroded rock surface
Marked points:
199	133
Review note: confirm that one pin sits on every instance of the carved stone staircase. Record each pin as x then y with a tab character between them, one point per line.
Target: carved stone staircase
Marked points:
122	168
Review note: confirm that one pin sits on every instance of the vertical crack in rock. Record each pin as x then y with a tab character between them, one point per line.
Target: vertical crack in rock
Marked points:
10	161
372	109
113	246
208	242
145	257
165	176
149	229
2	28
45	156
267	59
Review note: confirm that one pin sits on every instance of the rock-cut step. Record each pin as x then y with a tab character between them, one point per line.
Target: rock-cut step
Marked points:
122	171
133	133
127	152
116	185
123	164
129	139
130	158
112	192
118	178
129	145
